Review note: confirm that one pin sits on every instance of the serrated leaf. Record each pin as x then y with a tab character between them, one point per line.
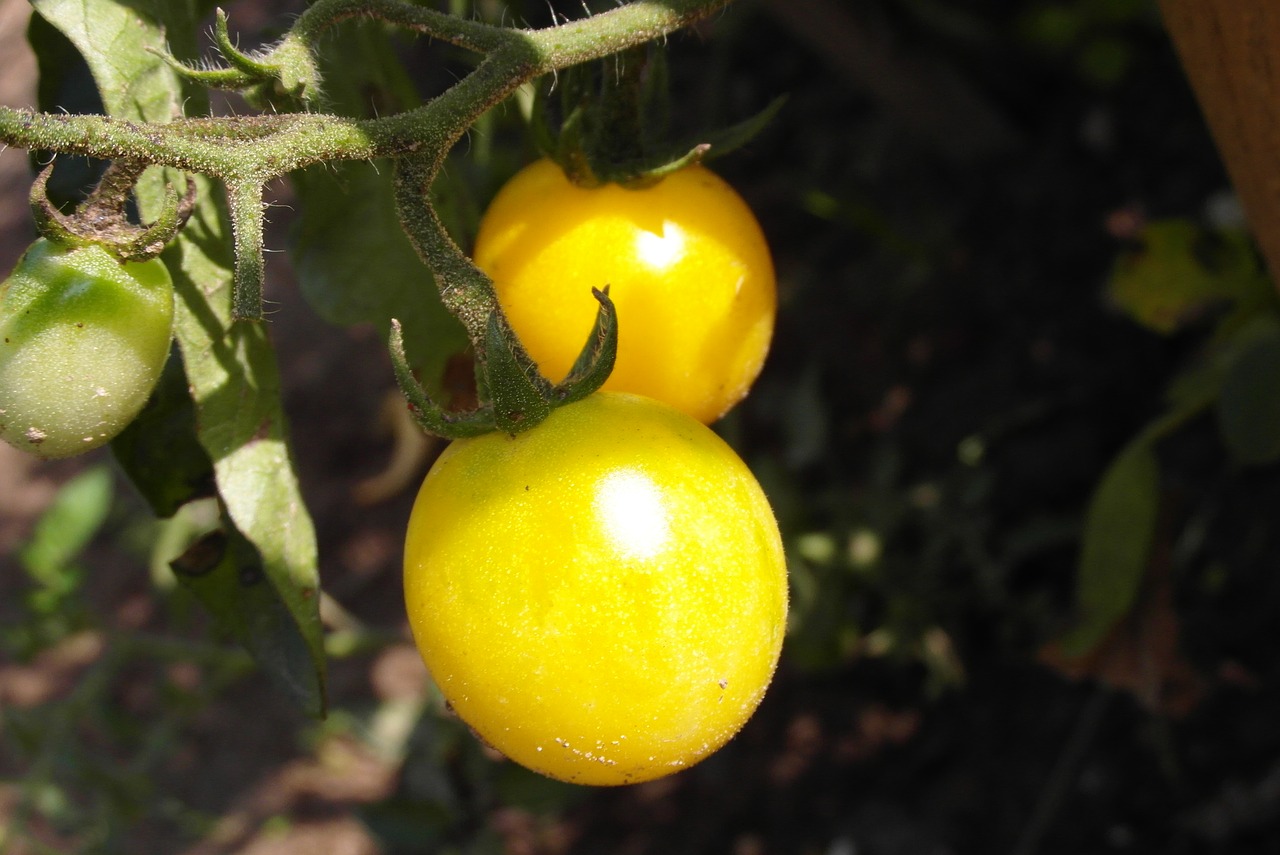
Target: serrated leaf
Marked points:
1118	535
230	367
1248	406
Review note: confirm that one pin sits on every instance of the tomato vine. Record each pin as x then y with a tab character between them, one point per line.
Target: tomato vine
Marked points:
255	565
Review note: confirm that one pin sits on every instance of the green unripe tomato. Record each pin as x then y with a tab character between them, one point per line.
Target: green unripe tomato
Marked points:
83	339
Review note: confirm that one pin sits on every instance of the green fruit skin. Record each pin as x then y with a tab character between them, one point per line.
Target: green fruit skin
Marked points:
83	339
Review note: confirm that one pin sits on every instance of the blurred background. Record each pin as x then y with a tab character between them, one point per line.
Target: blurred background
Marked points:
995	223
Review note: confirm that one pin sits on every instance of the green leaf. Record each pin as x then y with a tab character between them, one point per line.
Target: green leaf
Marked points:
1118	534
1181	271
1248	406
234	379
227	575
160	450
355	264
116	39
65	529
230	367
353	260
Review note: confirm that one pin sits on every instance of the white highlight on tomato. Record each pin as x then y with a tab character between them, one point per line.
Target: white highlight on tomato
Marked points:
660	251
631	508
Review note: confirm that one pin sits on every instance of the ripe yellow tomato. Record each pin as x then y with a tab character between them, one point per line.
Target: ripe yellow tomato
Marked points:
601	598
687	267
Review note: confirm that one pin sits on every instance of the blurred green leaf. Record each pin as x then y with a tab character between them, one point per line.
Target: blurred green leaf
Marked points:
518	787
230	367
1118	534
1181	271
65	529
1105	60
1248	407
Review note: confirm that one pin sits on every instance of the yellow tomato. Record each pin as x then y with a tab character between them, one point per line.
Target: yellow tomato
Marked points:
686	264
601	598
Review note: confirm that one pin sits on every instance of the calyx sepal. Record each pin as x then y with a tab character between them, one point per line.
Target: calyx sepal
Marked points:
102	219
611	123
285	72
513	397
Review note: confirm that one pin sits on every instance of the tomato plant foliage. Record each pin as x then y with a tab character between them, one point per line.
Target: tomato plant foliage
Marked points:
362	148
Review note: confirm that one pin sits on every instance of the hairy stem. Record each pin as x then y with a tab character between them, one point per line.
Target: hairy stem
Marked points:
247	219
463	32
269	146
247	152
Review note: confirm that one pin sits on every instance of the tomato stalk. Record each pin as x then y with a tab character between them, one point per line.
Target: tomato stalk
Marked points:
257	149
513	396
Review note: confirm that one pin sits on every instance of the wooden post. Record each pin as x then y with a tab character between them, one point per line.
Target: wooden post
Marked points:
1230	50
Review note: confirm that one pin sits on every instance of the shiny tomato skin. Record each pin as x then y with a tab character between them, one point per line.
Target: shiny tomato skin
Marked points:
601	598
83	339
687	266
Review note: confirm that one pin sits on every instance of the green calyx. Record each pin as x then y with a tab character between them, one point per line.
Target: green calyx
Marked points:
102	219
611	123
283	75
513	396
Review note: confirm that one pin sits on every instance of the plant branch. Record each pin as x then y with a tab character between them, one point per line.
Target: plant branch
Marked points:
268	146
247	152
463	32
247	219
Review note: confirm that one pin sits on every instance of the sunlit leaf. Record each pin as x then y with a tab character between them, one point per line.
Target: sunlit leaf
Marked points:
230	367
